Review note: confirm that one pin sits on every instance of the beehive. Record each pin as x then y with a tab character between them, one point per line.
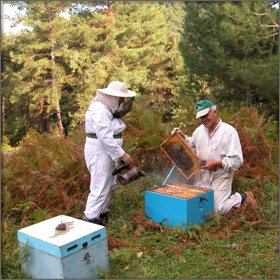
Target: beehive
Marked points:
180	205
78	252
177	202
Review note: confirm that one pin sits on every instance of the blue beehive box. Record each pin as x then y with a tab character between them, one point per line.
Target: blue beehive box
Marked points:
177	203
78	252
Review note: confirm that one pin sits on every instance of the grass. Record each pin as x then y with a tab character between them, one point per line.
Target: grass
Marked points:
214	259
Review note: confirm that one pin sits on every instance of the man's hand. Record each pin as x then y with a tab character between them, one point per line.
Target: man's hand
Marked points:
179	131
212	164
126	158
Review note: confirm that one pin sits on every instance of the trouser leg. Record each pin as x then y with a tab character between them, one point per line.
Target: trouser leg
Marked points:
234	201
100	166
224	201
112	184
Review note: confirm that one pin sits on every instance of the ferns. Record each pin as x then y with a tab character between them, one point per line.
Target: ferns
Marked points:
46	171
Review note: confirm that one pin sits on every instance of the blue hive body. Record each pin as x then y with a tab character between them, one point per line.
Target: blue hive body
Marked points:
78	252
173	211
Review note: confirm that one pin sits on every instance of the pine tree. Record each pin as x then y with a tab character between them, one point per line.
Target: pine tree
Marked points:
14	115
42	71
231	50
128	41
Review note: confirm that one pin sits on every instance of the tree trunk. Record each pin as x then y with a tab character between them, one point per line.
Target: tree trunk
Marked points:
54	82
59	121
55	94
2	117
44	122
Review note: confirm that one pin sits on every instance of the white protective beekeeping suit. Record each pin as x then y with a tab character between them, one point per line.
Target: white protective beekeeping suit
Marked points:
102	151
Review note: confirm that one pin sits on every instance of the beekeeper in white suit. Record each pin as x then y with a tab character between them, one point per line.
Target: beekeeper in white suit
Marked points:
103	146
218	144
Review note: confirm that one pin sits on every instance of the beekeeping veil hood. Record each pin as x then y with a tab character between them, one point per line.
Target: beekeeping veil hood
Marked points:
118	89
111	102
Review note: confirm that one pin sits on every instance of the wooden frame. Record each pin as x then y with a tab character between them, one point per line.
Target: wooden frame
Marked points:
181	154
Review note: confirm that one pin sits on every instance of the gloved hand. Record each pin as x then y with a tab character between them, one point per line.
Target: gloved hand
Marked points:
174	130
178	130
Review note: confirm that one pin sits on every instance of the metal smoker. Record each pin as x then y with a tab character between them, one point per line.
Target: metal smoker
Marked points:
126	174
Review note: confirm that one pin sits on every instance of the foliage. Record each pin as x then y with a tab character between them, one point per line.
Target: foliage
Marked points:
11	256
144	134
51	73
54	175
40	78
230	52
259	151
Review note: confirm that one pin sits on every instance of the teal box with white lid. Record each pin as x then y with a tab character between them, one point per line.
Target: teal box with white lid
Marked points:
178	203
78	251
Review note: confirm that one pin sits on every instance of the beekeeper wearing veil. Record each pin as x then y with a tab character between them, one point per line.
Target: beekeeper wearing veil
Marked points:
103	146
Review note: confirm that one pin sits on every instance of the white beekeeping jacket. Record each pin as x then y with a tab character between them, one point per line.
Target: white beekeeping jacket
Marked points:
223	144
99	120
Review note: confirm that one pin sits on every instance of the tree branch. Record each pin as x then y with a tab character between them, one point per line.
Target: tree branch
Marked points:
277	25
250	23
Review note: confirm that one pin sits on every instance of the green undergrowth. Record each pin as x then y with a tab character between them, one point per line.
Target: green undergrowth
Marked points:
45	176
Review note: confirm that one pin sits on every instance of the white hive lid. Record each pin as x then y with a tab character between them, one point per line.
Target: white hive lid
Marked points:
45	237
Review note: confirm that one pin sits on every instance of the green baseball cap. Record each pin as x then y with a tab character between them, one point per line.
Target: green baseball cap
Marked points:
203	107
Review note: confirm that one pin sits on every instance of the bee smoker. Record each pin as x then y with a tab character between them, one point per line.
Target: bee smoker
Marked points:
126	174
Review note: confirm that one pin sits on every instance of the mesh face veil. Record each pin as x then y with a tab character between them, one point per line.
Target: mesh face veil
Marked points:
124	108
